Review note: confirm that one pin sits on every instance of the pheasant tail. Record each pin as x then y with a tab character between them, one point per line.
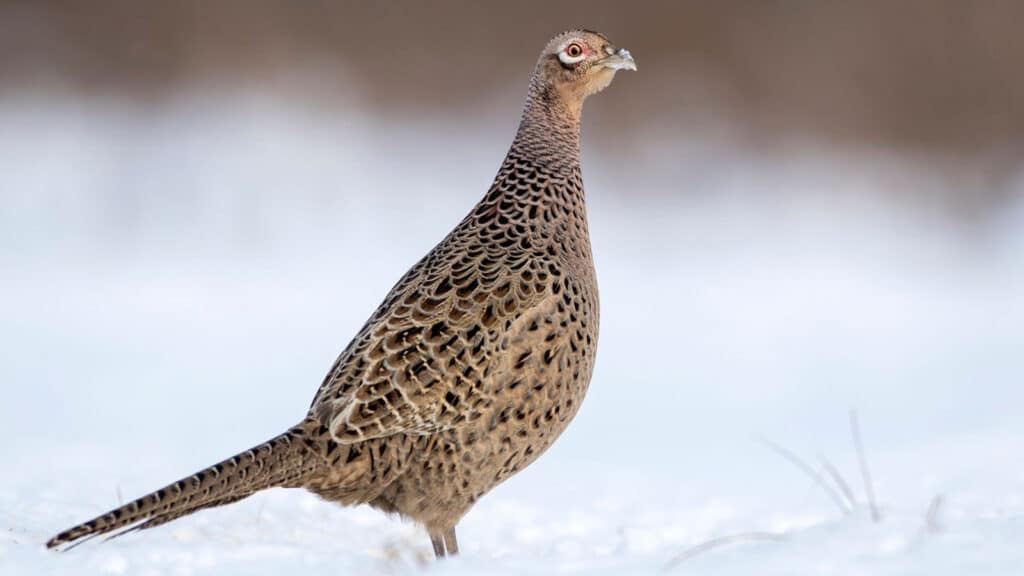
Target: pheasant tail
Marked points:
285	460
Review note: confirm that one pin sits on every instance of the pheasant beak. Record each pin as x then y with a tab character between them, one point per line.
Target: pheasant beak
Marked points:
619	59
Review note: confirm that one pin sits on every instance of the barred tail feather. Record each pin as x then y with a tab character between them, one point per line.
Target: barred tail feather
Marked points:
282	461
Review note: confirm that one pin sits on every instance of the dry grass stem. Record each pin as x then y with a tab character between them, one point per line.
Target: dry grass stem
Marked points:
811	472
723	541
840	481
869	488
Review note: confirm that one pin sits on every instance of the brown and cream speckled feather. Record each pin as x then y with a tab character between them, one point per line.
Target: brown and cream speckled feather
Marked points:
473	364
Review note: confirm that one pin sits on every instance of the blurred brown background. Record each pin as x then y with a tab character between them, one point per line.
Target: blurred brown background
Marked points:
938	77
930	73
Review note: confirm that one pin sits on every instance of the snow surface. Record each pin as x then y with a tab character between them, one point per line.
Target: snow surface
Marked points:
176	280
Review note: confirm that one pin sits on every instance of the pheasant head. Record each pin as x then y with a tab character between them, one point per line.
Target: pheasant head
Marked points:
576	64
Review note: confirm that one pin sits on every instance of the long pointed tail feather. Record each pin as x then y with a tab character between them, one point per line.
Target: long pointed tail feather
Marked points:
282	461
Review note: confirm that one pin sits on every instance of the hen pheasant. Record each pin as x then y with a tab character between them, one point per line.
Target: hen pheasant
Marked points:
474	363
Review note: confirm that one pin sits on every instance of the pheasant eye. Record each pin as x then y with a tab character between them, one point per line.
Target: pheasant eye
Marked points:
572	53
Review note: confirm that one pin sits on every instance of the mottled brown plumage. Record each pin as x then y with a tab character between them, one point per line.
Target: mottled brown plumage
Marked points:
474	363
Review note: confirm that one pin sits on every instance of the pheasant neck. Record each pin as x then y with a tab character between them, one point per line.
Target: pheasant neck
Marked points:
539	189
549	132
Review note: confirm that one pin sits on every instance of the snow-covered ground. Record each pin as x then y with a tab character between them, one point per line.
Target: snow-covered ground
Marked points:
174	281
